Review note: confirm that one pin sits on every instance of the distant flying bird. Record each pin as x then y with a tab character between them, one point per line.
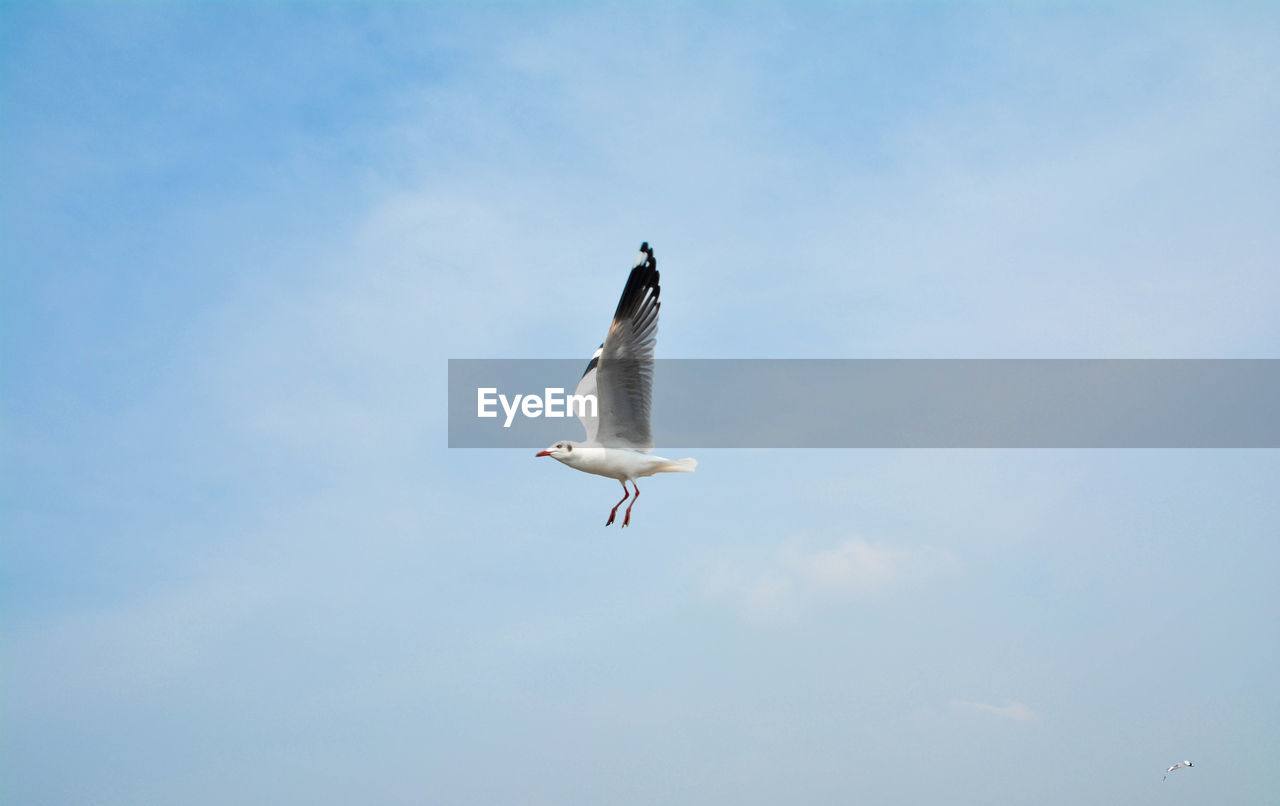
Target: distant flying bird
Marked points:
620	376
1177	766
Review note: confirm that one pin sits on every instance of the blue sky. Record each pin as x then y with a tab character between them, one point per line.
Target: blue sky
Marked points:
242	240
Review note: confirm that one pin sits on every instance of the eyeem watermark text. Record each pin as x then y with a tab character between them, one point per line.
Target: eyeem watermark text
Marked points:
533	405
891	403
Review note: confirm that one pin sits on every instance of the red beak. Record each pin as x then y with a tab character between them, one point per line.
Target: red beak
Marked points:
543	453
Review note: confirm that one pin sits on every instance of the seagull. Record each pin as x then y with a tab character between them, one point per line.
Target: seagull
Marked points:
620	377
1177	766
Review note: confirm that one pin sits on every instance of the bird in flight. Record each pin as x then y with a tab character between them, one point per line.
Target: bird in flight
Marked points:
1177	766
620	377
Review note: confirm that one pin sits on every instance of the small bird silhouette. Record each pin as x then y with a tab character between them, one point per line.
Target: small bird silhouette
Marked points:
1177	766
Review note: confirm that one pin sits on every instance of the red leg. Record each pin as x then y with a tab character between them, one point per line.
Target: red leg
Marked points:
614	512
626	521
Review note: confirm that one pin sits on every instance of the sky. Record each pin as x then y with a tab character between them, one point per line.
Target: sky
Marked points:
241	241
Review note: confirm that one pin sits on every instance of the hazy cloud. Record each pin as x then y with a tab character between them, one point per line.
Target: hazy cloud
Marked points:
795	574
1016	711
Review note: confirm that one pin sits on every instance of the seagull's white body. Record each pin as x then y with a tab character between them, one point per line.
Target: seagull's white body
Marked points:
620	377
623	464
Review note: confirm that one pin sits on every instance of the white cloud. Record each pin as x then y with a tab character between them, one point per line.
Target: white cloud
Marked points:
794	575
1016	711
854	566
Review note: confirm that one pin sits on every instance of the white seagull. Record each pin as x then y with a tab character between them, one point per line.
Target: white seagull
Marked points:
620	376
1177	766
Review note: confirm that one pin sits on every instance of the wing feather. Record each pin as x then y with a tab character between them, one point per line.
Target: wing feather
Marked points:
623	375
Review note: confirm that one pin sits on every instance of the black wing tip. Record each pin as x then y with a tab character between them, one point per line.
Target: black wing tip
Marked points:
642	284
648	260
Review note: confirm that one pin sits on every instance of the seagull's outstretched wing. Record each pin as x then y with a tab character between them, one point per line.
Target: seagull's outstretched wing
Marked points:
621	372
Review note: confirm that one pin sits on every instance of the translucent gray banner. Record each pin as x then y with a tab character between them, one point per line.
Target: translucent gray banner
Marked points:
924	403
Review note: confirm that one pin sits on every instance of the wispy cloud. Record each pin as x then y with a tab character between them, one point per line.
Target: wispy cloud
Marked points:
1016	711
794	574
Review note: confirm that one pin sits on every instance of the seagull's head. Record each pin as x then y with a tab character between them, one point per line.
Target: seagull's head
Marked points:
1187	764
562	450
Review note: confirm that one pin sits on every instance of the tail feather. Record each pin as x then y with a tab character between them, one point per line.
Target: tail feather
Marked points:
677	466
